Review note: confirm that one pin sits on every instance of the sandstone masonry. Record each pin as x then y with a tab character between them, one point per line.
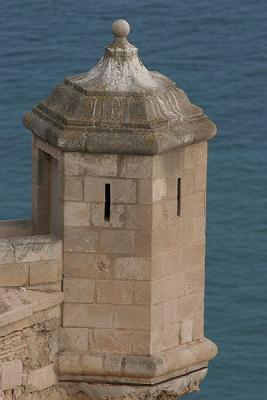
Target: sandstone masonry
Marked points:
117	237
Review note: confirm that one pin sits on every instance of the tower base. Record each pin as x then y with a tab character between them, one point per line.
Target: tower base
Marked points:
170	389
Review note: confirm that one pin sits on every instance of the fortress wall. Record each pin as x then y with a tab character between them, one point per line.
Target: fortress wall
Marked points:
33	261
29	323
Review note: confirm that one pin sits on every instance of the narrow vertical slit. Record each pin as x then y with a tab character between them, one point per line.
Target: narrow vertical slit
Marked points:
178	197
107	202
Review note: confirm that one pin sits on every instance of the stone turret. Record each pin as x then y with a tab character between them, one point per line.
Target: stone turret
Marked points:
119	174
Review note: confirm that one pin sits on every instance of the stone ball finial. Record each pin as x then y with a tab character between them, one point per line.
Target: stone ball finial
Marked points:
120	28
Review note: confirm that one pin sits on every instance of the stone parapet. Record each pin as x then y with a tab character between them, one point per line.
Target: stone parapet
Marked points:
29	321
33	261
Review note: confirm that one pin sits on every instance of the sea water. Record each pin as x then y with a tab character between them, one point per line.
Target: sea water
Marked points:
216	50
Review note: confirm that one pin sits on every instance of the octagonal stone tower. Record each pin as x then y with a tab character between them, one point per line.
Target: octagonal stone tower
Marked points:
119	173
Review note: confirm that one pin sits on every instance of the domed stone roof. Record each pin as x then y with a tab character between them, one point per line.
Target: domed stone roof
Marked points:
119	107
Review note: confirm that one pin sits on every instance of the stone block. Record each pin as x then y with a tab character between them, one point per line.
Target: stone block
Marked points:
114	292
113	364
136	166
69	363
91	364
11	374
142	293
172	182
41	300
118	242
193	205
142	365
34	248
157	266
198	327
73	188
132	268
167	288
13	274
123	191
172	263
132	317
201	179
45	271
187	182
159	189
170	312
186	331
76	213
156	316
165	238
80	239
6	252
175	160
144	191
164	339
195	155
138	217
117	216
85	265
191	305
85	164
88	315
94	189
195	280
143	242
193	255
169	213
160	166
73	339
77	290
120	341
41	378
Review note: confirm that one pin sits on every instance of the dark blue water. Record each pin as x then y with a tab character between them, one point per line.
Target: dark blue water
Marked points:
216	50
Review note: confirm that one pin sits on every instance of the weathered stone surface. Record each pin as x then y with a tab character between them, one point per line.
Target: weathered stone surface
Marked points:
117	216
186	331
73	188
77	290
85	265
133	268
13	306
76	213
134	279
45	271
80	239
79	164
114	292
41	378
6	252
169	390
88	315
131	317
34	248
117	242
123	191
11	374
73	339
73	118
14	274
